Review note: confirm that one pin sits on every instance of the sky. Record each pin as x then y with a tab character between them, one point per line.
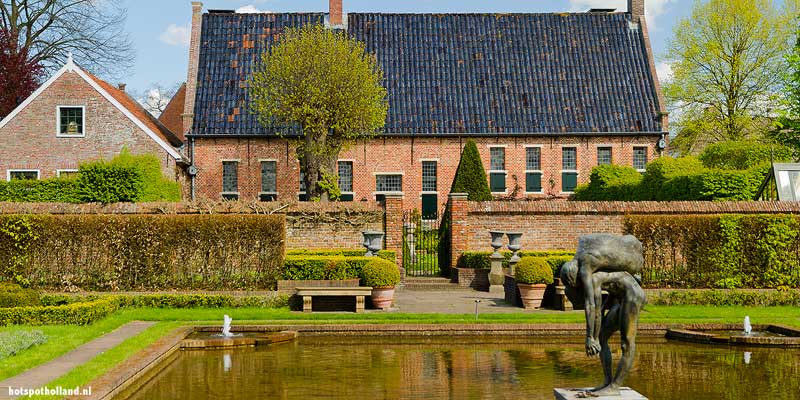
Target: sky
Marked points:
160	29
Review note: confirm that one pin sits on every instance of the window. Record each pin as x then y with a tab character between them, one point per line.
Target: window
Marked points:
230	180
640	158
269	181
66	173
70	121
569	166
604	156
497	169
533	173
302	196
23	174
429	176
389	183
346	180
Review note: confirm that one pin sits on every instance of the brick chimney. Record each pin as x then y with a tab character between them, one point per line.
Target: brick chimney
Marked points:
335	12
121	86
194	60
636	8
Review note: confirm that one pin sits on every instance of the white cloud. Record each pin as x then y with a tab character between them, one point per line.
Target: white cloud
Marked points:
664	71
176	35
652	8
250	9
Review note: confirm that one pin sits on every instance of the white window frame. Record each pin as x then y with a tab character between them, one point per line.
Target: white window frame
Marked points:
376	174
577	173
498	171
646	157
597	149
58	121
436	160
59	171
539	171
276	176
353	164
237	161
9	171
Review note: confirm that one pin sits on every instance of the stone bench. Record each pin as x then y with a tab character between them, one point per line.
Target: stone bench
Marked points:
307	293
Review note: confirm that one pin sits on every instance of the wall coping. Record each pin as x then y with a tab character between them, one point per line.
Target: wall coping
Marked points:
641	207
227	207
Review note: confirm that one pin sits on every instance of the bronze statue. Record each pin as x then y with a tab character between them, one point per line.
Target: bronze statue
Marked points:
611	263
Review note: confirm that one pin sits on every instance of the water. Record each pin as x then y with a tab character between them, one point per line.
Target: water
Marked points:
422	368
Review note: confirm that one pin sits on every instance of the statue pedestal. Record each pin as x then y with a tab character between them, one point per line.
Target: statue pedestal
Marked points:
625	393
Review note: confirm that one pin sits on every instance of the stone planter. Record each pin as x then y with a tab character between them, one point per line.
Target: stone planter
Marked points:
532	295
373	241
382	297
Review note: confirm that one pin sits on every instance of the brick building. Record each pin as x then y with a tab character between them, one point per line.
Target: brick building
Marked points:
75	116
545	96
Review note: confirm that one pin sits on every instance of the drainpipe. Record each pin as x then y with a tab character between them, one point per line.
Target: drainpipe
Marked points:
192	168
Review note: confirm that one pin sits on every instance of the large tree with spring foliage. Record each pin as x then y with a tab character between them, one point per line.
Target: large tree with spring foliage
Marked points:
727	59
327	84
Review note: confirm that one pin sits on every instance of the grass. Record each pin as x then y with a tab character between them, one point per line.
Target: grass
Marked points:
65	338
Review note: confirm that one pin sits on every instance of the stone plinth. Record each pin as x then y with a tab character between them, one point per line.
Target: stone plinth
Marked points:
625	393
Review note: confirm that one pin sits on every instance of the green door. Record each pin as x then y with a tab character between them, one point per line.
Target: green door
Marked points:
430	206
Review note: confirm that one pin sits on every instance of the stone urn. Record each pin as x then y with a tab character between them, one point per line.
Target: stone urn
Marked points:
497	240
531	295
373	241
514	244
382	297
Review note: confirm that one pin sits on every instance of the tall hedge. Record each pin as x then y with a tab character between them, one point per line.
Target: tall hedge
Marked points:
57	190
743	154
611	182
470	176
147	252
723	251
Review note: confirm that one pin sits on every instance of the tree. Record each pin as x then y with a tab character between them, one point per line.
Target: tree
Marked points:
156	98
787	128
726	61
470	176
327	85
19	77
50	29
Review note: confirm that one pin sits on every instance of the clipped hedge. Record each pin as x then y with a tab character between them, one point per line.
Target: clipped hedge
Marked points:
470	177
743	154
380	273
727	298
12	295
533	270
611	182
309	268
385	254
480	259
149	252
173	300
57	190
69	314
719	251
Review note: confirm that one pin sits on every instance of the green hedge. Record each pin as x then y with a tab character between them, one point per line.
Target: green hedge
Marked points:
304	268
69	314
533	270
721	251
172	300
147	252
470	177
380	273
385	254
611	182
743	154
58	190
12	295
727	298
480	259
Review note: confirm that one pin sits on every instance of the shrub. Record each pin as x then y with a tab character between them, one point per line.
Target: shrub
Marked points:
12	295
556	262
379	273
754	251
155	186
480	259
744	154
57	190
13	342
68	314
611	182
304	268
385	254
103	182
726	298
470	176
668	179
16	235
152	252
533	270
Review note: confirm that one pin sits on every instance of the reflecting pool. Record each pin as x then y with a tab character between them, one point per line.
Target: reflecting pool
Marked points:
468	368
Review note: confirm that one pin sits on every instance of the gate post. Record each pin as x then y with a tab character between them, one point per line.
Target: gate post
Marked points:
393	223
458	226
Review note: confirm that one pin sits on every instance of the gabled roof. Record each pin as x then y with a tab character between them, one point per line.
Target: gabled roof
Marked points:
124	103
581	73
172	117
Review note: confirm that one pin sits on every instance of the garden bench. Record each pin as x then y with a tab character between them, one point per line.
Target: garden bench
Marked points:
307	293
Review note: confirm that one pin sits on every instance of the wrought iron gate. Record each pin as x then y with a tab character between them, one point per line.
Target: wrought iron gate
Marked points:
420	245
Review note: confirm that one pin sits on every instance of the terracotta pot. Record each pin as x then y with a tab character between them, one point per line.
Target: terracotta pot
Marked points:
382	297
531	295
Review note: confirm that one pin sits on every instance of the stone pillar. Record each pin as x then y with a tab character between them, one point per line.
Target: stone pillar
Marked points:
393	226
496	276
194	60
459	228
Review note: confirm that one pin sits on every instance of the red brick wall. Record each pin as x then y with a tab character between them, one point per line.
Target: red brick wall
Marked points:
558	224
29	141
404	155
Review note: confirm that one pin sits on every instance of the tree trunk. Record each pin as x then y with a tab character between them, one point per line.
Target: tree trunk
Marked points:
318	154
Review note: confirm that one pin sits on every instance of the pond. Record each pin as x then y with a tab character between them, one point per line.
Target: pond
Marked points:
467	368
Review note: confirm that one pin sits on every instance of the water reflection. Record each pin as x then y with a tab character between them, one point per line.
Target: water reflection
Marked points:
406	368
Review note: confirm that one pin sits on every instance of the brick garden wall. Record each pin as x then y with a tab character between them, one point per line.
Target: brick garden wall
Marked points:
308	225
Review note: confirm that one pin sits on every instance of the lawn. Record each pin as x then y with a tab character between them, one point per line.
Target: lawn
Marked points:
62	339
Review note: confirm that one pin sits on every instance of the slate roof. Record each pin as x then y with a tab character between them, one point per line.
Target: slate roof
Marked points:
457	73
